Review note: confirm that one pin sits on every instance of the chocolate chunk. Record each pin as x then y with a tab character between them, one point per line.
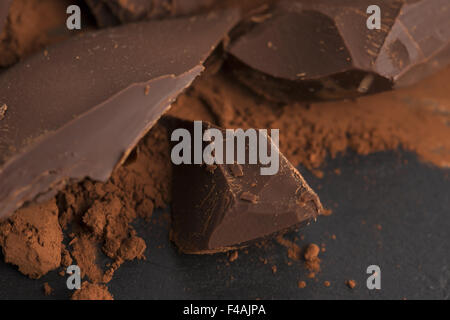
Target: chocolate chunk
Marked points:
323	49
217	211
4	9
78	110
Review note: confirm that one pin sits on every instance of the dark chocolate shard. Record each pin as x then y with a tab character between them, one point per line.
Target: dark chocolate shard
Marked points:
217	210
4	10
323	49
78	109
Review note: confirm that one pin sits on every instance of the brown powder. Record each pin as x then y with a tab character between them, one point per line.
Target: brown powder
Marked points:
101	213
31	239
351	283
85	252
90	291
312	260
3	109
47	289
311	252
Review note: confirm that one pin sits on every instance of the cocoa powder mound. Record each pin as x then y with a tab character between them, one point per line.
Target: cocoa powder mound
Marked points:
294	251
31	239
91	291
100	214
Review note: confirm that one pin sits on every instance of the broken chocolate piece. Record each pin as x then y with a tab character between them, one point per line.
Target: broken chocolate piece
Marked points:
78	110
323	49
217	211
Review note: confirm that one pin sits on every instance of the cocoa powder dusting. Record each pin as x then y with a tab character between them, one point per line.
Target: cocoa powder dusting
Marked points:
31	239
312	260
91	291
47	289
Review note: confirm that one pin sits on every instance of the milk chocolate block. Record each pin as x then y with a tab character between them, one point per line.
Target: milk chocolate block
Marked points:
77	109
324	48
222	206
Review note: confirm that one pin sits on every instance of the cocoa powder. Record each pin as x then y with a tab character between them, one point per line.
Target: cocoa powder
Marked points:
91	291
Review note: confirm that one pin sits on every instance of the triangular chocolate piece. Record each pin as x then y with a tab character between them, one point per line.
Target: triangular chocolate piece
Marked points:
222	206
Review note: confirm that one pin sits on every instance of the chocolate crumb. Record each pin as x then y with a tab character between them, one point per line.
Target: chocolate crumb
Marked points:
90	291
294	251
47	289
247	196
312	259
3	109
234	256
312	252
351	283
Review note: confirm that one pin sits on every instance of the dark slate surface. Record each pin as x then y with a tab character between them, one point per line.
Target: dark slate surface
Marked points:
409	199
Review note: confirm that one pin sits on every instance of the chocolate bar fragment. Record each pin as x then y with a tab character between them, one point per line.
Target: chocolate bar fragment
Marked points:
4	9
77	109
223	206
323	49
